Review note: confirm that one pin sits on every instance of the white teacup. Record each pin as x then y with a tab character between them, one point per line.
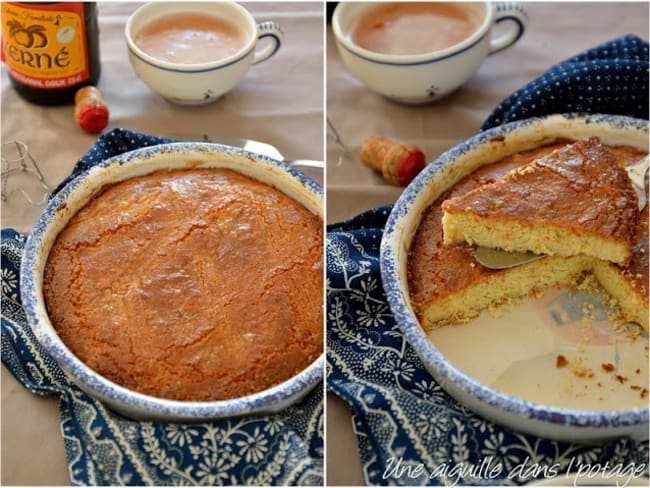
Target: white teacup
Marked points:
421	78
200	83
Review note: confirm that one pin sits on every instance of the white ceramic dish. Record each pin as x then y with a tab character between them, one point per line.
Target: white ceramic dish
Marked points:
75	195
569	423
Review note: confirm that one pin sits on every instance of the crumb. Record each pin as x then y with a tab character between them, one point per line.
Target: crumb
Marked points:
599	384
644	393
579	370
583	372
633	333
588	283
620	379
495	311
638	370
635	387
620	328
607	367
588	311
561	361
525	170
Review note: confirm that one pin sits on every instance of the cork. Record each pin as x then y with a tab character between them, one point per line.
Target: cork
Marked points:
398	162
90	112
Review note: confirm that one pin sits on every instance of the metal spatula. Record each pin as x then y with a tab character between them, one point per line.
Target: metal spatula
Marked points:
250	145
313	169
500	259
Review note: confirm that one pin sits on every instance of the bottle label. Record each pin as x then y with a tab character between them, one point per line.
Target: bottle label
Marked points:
44	46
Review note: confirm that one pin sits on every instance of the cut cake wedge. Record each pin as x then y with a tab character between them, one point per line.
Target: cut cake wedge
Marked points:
628	283
576	200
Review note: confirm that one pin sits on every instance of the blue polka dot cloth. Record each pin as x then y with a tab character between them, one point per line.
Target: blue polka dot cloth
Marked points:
104	448
609	79
113	143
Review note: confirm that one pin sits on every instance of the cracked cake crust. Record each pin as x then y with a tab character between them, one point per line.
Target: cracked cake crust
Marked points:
193	285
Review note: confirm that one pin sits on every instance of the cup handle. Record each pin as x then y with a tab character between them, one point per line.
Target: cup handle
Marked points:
514	12
272	31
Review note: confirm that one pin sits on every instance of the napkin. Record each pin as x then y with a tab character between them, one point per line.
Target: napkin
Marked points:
610	79
104	448
409	430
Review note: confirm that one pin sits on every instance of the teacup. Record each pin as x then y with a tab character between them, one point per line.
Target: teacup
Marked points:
192	82
425	76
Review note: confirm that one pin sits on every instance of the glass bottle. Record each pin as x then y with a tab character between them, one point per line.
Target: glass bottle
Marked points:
51	49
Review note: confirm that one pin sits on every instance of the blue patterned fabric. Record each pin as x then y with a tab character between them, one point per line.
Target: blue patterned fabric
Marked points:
610	79
409	430
104	448
113	143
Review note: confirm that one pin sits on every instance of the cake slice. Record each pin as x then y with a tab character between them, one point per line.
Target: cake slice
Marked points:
576	200
446	283
628	283
493	289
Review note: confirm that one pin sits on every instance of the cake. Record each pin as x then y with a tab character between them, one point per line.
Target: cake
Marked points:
447	285
194	285
628	283
575	200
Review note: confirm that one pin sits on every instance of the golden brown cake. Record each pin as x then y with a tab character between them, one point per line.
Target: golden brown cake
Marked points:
575	200
190	285
447	285
628	283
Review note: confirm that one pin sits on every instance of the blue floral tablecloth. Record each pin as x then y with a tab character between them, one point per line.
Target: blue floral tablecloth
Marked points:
104	448
409	430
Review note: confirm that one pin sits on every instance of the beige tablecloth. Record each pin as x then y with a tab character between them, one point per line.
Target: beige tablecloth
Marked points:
279	102
556	31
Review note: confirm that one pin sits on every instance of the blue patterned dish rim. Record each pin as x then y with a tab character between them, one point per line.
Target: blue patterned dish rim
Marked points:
141	405
398	297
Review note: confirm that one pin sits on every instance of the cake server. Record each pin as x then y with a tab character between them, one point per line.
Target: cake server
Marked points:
312	168
637	173
252	146
500	259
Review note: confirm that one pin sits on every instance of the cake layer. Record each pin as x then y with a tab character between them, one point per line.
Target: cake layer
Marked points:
575	200
522	236
631	297
628	284
498	288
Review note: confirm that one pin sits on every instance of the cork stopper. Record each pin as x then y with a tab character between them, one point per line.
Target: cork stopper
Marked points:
90	111
398	162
